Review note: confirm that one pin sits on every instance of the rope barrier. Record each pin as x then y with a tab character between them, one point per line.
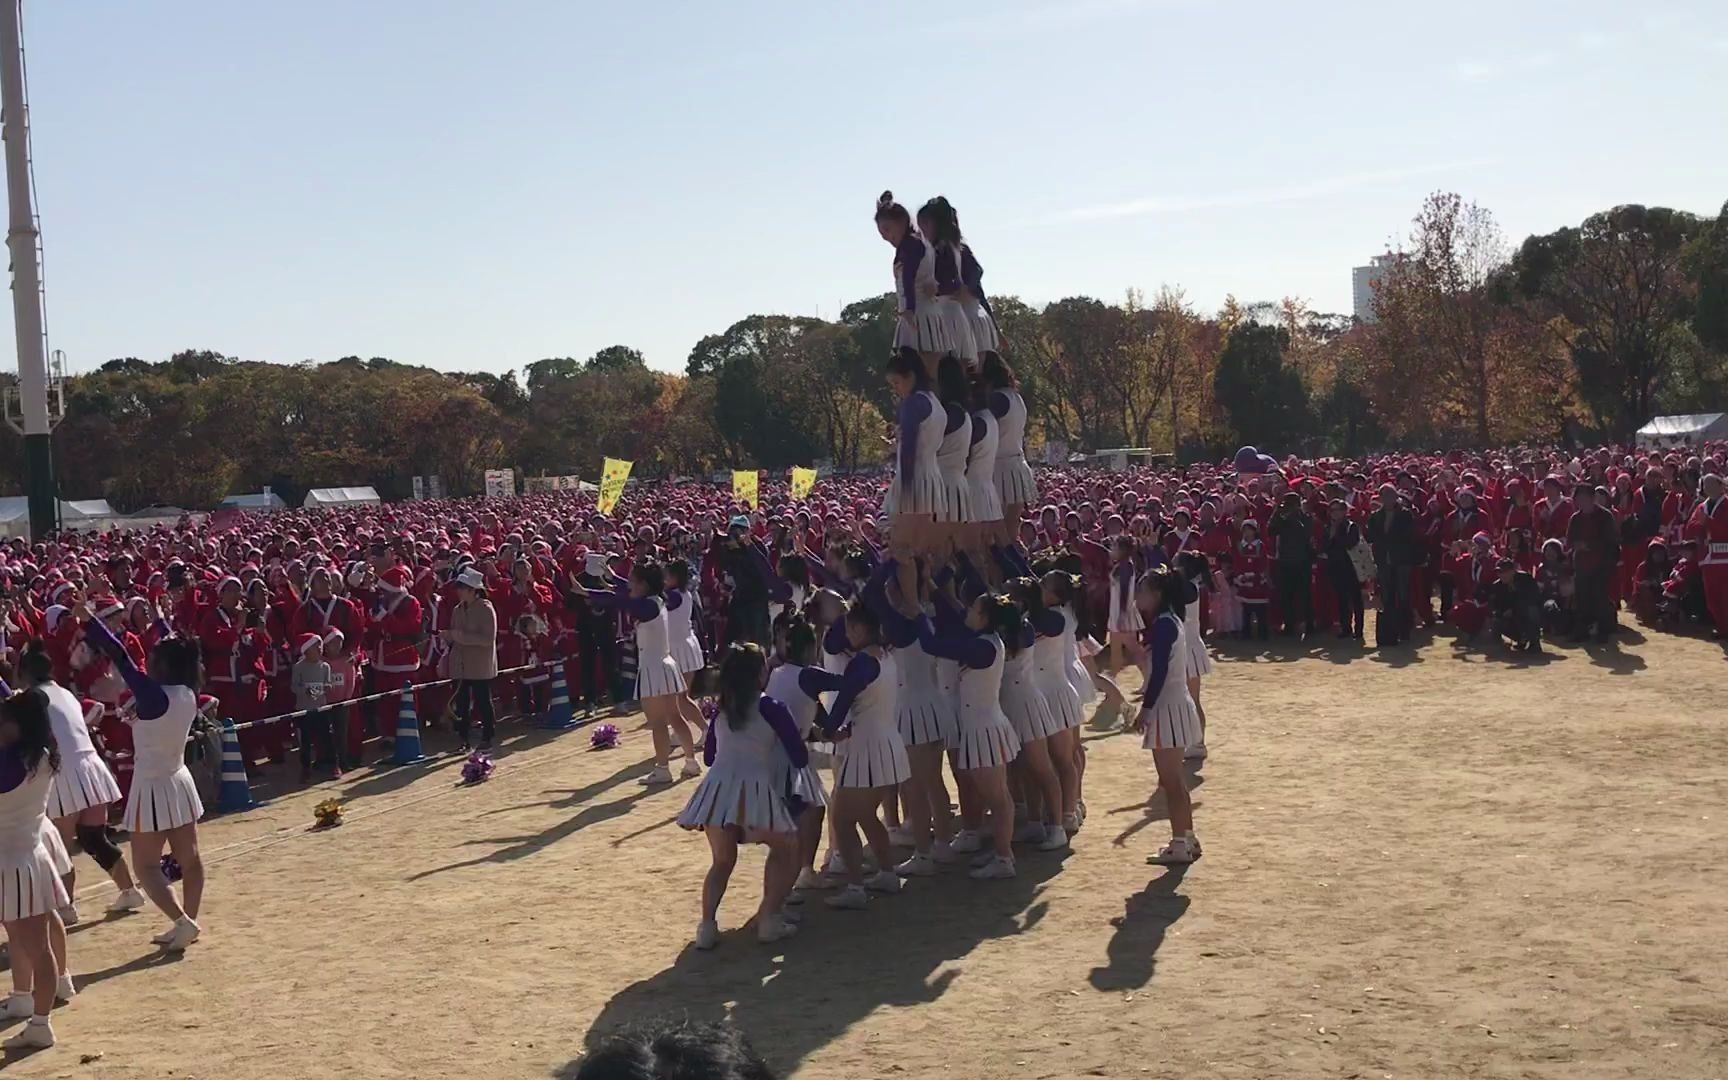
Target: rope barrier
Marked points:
398	692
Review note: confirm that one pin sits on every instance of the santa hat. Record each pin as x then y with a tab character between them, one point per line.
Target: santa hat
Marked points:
307	641
59	590
93	711
106	606
394	579
333	637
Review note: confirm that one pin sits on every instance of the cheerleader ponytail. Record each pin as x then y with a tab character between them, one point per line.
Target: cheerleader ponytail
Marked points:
1005	619
741	682
887	210
34	665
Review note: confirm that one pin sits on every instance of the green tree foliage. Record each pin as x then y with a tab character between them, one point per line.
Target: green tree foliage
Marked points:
1263	398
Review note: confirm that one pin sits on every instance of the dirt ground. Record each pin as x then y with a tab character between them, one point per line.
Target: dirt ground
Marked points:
1440	865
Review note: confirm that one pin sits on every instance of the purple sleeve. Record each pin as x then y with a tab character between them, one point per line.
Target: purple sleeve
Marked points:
834	640
710	744
5	688
12	771
978	430
860	673
1124	575
999	404
1048	623
973	650
910	254
815	681
674	599
779	589
787	728
947	271
957	415
1013	564
913	412
972	276
147	695
642	609
1162	646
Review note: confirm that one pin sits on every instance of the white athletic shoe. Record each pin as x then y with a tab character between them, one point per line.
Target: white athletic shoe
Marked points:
983	858
901	836
1175	853
690	769
774	928
917	866
1071	823
996	869
129	900
37	1035
18	1006
1193	844
851	898
69	915
942	852
1032	832
965	842
165	936
810	881
835	866
1197	752
64	989
886	881
185	933
1055	839
659	774
792	915
707	935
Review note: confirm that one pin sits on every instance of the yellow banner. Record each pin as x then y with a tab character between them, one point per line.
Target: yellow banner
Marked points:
744	487
803	480
612	479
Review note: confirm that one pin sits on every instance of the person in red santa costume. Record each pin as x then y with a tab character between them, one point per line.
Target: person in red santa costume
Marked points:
1553	512
1474	573
1709	530
396	632
233	668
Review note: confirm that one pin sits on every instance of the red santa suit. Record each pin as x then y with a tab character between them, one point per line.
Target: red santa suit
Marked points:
1709	529
1551	518
1474	576
233	673
396	632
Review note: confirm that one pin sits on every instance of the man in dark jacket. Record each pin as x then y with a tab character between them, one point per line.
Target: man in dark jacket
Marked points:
1594	538
1392	534
1293	534
744	559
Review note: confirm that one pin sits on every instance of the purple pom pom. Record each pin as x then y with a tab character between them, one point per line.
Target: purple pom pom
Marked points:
604	737
1248	460
477	768
710	709
170	867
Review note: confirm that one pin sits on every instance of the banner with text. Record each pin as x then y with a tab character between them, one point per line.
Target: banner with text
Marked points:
612	479
803	480
500	483
744	487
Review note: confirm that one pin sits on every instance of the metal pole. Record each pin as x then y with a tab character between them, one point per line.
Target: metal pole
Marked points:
21	239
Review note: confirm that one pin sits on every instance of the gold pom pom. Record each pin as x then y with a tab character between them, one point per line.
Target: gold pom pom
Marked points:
327	814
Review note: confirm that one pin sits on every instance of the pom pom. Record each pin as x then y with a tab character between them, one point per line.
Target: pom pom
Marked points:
710	709
478	768
327	814
170	867
604	737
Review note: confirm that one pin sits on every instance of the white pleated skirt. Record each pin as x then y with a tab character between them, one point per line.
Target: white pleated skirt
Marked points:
954	504
984	335
929	330
806	783
957	329
871	761
923	493
1014	481
986	501
926	721
1171	724
688	653
57	853
1195	659
160	803
658	679
986	745
741	799
82	782
1062	698
30	887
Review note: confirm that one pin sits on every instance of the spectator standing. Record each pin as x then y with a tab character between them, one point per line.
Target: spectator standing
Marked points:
473	655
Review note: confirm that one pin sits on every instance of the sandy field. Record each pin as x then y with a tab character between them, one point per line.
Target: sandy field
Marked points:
1443	864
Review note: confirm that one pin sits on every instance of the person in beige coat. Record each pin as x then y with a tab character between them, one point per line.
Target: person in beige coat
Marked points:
473	637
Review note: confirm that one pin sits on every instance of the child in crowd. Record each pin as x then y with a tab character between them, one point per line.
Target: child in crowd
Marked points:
311	680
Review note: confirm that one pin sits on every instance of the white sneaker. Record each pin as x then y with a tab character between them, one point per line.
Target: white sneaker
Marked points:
1071	823
983	858
835	866
810	881
64	989
1175	853
1030	833
965	842
659	774
886	881
18	1006
1197	752
996	869
1055	839
901	836
942	852
129	900
690	769
851	898
69	915
707	935
185	933
165	936
37	1035
1193	844
774	928
917	866
792	915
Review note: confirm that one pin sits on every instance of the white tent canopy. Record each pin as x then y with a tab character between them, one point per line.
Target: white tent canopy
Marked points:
1687	430
75	514
256	500
324	498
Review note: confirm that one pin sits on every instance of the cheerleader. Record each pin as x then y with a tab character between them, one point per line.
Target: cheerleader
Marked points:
1196	577
985	744
659	683
1033	776
1125	623
83	788
917	490
1063	591
751	749
941	226
954	512
32	889
1014	482
984	332
920	325
682	617
800	652
1051	675
1168	721
163	808
981	478
870	759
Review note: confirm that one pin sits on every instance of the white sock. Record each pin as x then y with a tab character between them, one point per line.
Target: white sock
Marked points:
39	1019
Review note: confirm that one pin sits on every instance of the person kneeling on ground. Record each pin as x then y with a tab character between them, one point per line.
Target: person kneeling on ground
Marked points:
1517	605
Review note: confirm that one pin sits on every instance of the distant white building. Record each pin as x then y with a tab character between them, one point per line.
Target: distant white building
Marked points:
1362	280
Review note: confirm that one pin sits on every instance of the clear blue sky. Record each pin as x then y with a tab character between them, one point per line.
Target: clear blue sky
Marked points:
479	186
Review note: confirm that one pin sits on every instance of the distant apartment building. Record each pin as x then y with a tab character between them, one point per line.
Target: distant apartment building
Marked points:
1362	280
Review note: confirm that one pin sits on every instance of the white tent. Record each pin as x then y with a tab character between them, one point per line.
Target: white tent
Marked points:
1689	430
256	500
326	498
76	514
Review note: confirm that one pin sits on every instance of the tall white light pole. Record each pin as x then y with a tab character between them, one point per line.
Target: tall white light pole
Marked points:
21	238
